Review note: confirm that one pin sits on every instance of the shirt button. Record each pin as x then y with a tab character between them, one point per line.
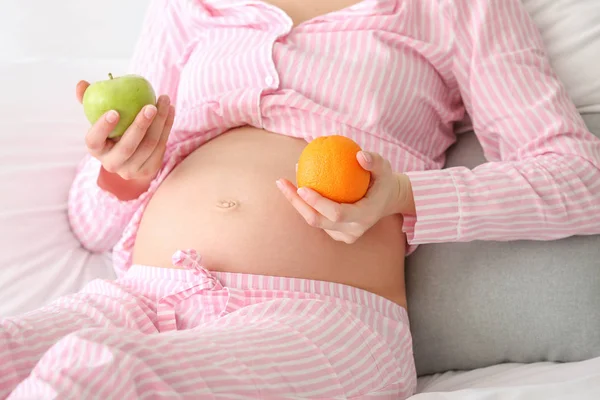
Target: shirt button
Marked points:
269	80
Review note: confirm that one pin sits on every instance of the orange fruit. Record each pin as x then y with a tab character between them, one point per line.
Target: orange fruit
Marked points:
328	165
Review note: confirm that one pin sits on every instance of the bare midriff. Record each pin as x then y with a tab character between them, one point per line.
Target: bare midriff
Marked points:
223	202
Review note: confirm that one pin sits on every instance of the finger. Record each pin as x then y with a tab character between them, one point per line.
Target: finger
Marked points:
80	90
153	164
131	139
151	139
341	237
333	211
168	126
96	138
373	163
310	215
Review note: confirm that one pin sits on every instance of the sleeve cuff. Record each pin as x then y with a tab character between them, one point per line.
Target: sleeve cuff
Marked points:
438	209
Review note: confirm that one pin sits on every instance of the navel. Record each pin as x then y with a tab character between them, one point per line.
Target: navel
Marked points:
227	204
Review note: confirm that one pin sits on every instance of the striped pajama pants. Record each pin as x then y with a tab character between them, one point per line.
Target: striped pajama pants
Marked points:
192	334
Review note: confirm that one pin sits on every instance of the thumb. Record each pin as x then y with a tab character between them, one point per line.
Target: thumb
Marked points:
372	162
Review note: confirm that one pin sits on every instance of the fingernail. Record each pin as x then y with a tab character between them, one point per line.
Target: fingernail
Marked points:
303	192
367	156
112	116
279	185
150	112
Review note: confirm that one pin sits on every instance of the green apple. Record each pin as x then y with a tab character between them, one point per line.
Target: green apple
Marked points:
127	95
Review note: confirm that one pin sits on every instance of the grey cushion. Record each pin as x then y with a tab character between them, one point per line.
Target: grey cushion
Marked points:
477	304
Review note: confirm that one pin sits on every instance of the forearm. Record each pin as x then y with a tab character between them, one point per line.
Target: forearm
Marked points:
542	198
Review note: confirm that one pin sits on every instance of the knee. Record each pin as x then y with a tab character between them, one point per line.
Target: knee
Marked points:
79	365
99	362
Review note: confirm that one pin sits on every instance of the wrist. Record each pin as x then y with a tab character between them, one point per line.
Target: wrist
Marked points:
124	190
403	200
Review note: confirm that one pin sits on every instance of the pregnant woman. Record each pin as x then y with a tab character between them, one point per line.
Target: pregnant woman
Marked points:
233	283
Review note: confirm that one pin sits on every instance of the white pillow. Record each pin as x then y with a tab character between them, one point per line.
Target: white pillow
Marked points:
571	32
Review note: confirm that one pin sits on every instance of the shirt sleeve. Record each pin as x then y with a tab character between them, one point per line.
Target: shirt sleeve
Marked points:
98	218
542	181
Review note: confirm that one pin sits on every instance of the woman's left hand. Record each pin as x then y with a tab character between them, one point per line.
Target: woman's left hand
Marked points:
388	194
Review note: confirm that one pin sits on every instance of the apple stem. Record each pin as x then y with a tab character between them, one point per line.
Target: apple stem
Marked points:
110	75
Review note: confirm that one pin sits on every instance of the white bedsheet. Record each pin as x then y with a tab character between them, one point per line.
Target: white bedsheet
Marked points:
543	381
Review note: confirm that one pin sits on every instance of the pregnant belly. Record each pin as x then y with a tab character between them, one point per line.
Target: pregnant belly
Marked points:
223	202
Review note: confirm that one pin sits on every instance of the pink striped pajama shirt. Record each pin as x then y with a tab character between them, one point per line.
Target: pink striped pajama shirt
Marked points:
394	75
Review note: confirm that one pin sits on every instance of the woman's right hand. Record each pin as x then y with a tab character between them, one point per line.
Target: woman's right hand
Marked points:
138	154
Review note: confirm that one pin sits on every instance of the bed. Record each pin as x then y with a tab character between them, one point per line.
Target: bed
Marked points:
44	48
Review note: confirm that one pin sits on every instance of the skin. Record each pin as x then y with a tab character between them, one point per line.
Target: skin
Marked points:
213	203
